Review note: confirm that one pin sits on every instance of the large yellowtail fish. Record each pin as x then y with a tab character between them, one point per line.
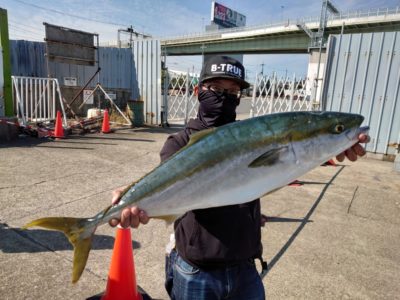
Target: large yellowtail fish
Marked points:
232	164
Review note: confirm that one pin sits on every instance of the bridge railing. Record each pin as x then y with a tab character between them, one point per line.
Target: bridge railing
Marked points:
287	23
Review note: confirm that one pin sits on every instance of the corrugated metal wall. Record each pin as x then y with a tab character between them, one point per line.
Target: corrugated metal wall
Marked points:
362	75
137	70
147	67
28	59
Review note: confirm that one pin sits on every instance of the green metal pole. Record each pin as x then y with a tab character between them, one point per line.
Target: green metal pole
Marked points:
5	45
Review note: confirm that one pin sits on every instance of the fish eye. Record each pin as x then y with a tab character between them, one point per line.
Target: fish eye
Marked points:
339	128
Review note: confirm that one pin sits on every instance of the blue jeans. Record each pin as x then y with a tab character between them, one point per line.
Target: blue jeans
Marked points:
185	282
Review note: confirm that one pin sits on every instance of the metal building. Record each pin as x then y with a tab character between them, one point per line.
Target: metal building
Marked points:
129	73
362	76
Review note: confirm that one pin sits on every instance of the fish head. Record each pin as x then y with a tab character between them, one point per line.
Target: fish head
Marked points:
335	124
315	136
326	134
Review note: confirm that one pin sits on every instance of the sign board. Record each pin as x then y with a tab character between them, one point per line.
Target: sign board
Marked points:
70	81
86	94
69	45
226	17
112	95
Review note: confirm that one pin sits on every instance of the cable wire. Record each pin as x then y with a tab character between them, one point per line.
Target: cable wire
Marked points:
70	15
24	30
24	26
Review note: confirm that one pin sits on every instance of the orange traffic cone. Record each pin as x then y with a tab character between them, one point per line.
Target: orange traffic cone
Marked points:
59	130
330	162
121	283
106	123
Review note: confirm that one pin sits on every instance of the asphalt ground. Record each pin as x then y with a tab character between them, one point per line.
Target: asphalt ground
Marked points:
337	236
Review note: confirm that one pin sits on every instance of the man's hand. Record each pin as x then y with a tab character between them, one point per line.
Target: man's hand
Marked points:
355	151
132	216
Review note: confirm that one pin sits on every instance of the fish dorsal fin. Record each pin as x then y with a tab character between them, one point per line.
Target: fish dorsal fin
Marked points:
194	138
268	158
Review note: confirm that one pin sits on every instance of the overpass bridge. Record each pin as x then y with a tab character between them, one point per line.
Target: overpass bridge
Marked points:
287	37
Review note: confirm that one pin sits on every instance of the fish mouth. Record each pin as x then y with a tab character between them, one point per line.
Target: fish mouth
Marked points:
353	134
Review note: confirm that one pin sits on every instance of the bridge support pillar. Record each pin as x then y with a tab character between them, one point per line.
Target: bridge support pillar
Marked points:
315	73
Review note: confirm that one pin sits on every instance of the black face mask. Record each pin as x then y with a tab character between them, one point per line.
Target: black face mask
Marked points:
215	110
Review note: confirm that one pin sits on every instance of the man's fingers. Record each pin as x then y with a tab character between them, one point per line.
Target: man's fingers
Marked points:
125	218
364	138
134	217
356	150
351	155
129	216
116	196
143	217
340	157
359	150
115	200
113	222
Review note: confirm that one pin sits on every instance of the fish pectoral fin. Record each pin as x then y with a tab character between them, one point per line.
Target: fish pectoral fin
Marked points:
169	219
73	228
268	158
200	135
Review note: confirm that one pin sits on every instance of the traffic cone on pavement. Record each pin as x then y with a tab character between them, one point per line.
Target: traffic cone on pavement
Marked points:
330	162
106	123
59	130
121	282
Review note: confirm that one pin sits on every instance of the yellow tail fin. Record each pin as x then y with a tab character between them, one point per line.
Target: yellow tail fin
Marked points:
74	229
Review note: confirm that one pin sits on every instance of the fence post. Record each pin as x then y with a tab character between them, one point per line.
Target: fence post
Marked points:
253	99
292	92
187	97
272	92
61	101
164	108
7	102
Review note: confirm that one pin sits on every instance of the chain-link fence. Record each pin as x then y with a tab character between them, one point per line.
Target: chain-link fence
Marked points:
180	91
272	95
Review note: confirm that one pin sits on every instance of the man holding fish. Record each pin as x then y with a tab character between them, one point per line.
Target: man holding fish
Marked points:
214	251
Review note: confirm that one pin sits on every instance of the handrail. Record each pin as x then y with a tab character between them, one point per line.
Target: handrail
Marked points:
341	16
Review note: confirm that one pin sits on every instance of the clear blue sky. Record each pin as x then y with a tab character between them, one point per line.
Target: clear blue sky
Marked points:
170	18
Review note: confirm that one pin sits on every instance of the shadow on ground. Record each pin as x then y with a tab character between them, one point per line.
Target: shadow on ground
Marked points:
172	128
109	138
304	221
46	240
271	219
79	140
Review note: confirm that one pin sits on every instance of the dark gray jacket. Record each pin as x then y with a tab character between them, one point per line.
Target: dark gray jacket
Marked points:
215	237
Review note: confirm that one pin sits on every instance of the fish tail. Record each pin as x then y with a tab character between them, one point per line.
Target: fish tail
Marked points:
79	235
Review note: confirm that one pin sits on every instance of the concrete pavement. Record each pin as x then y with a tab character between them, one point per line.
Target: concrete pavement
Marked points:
336	236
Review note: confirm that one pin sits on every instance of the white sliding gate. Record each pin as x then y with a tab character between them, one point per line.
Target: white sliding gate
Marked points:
37	99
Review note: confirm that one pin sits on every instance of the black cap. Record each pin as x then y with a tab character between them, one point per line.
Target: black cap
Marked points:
223	67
